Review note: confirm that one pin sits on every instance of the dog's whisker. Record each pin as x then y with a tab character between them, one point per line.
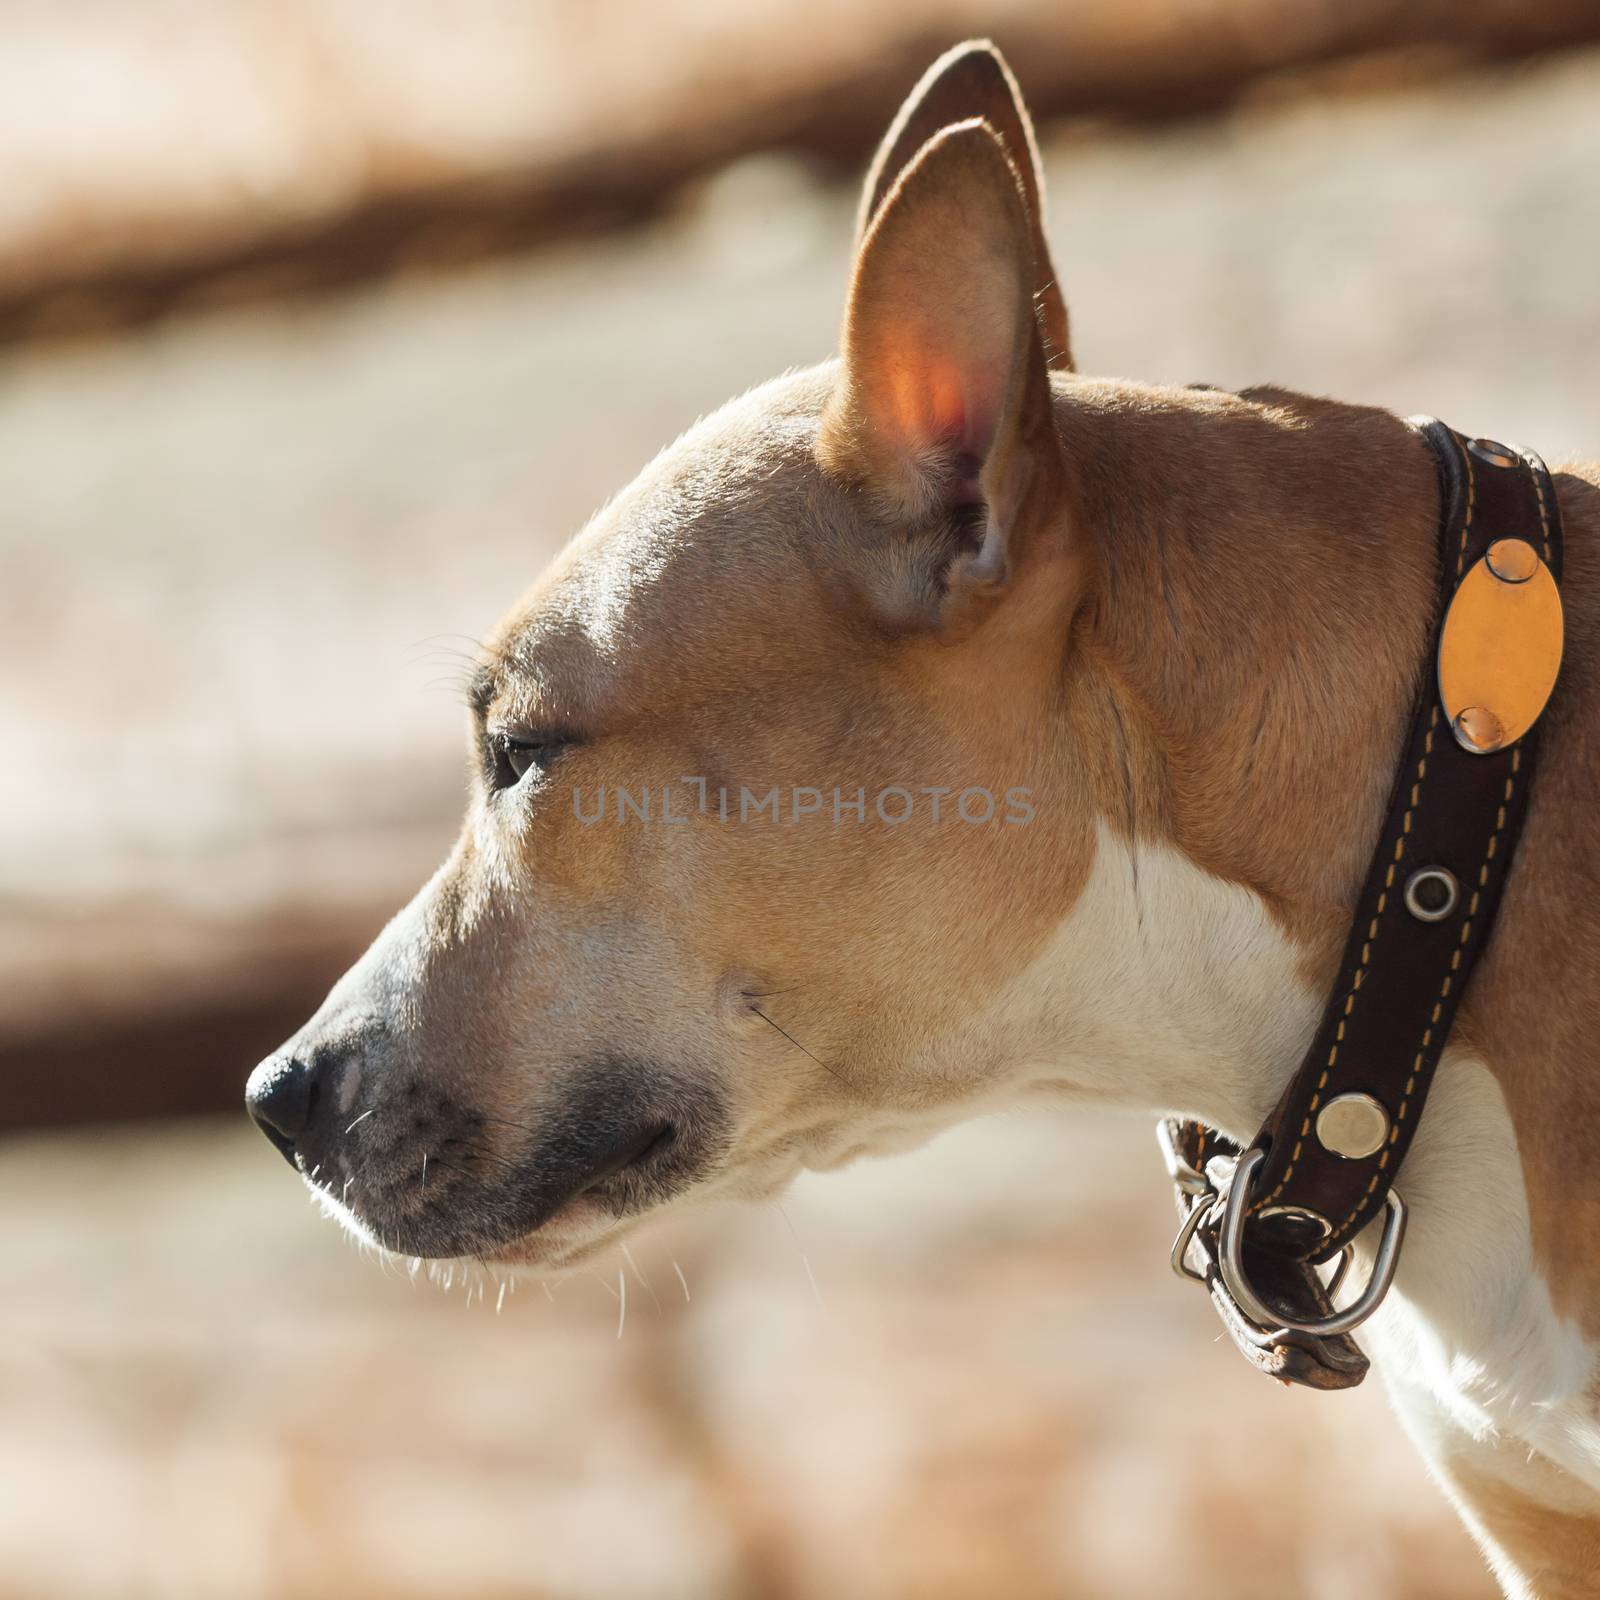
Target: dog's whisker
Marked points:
801	1048
462	665
453	685
440	642
805	1260
627	1256
362	1118
622	1301
683	1282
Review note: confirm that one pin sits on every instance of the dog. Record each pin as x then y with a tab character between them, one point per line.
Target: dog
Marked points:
938	729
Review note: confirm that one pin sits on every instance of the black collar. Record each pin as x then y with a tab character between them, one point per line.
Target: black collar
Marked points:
1258	1222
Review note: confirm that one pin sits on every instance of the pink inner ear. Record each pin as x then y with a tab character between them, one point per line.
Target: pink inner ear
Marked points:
962	419
937	403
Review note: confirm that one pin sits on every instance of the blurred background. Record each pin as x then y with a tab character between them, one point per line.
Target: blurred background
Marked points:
323	323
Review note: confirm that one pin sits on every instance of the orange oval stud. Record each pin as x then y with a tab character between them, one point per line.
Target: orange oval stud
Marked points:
1500	649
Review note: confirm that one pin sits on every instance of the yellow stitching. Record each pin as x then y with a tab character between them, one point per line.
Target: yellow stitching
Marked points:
1466	523
1383	1160
1544	516
1355	982
1405	829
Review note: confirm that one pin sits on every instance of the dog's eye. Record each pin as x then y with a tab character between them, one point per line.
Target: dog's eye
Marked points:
513	754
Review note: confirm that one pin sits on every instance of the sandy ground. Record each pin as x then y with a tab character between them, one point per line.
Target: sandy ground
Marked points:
235	558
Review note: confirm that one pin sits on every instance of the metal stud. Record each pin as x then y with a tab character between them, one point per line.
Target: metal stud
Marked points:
1432	893
1495	453
1312	1225
1353	1126
1478	730
1513	560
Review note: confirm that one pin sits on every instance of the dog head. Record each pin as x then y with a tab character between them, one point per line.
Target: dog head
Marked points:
780	780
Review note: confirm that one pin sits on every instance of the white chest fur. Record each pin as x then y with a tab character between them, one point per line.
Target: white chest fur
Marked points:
1492	1385
1471	1322
1167	989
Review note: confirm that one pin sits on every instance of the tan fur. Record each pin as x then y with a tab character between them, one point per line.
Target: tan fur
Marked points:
1556	1550
973	80
1187	620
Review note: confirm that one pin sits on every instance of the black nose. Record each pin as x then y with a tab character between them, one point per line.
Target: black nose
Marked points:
282	1098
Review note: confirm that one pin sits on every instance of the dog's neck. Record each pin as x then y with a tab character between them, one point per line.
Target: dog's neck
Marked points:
1265	598
1242	691
1237	694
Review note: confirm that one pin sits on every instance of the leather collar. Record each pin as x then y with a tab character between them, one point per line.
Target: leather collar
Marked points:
1258	1222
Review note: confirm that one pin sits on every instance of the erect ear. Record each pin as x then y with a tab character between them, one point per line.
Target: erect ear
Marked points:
973	80
942	414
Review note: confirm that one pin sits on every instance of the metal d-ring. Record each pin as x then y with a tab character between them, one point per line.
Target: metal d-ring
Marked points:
1199	1212
1230	1256
1343	1260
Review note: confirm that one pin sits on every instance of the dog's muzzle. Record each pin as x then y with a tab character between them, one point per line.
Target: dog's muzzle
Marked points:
429	1173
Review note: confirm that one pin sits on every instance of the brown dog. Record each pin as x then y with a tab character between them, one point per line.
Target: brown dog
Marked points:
938	728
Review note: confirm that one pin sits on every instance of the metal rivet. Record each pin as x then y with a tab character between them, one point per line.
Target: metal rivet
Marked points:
1353	1126
1492	451
1432	894
1317	1225
1478	730
1512	560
